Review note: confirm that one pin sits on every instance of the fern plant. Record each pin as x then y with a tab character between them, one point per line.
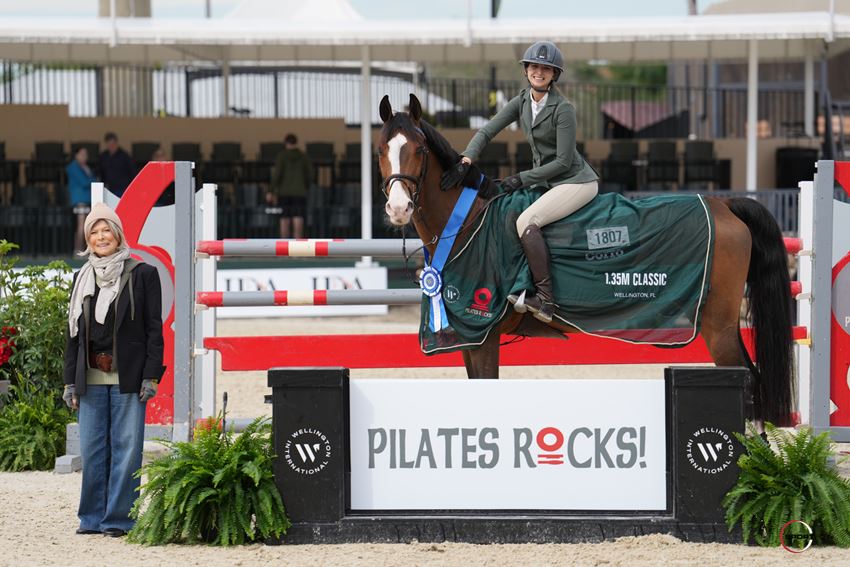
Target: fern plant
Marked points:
795	482
32	427
217	488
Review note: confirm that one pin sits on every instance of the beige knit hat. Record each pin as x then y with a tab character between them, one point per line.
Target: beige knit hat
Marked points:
102	211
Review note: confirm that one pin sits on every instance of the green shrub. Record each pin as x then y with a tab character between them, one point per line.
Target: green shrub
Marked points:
217	488
33	316
32	427
795	482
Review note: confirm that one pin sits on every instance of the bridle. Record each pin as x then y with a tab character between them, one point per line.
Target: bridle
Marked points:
409	179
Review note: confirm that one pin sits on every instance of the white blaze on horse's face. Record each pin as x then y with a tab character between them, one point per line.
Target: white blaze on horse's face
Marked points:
399	204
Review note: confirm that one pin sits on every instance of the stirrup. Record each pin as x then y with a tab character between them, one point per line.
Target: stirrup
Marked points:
541	309
518	302
545	313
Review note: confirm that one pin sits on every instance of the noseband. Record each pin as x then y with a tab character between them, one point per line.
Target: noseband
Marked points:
406	179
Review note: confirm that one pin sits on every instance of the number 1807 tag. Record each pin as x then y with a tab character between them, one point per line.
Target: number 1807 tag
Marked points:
607	237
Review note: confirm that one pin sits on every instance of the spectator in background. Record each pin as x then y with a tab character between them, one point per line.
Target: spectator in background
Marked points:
291	178
158	154
116	166
80	178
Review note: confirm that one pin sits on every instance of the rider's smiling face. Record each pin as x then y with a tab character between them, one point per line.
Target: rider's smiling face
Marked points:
539	75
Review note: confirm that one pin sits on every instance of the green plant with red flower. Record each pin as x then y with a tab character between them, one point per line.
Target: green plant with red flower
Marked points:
207	426
33	317
7	344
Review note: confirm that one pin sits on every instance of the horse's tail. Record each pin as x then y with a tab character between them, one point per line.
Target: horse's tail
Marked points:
769	295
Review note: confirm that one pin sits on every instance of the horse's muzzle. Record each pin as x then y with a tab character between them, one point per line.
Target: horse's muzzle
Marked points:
399	215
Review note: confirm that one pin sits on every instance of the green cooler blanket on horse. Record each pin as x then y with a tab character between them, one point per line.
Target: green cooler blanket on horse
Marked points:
637	271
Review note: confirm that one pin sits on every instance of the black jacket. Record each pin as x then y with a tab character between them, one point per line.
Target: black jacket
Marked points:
138	332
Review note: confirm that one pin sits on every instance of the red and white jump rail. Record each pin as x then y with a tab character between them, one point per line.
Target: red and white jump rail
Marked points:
291	298
207	299
309	248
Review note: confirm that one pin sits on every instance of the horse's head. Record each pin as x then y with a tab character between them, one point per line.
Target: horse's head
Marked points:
403	158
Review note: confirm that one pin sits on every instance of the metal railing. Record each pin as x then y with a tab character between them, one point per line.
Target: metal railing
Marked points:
604	110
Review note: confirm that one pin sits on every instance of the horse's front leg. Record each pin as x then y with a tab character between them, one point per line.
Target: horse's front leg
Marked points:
483	362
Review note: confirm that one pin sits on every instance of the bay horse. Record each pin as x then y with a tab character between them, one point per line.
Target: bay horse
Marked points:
748	249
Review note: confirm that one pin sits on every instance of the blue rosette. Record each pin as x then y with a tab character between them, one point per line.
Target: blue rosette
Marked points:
430	281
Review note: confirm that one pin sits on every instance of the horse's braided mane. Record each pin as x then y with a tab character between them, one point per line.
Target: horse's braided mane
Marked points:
443	151
448	157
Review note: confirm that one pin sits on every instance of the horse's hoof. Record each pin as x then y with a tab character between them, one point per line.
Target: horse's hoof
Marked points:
518	302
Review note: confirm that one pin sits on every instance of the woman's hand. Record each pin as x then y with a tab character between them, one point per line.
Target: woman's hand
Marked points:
466	160
69	396
148	389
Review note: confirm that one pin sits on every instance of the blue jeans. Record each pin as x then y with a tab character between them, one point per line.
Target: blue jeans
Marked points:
112	434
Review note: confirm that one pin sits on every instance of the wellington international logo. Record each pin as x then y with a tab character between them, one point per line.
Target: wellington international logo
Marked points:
710	450
795	542
307	451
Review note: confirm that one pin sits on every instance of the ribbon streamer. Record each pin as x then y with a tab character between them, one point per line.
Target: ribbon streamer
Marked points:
431	280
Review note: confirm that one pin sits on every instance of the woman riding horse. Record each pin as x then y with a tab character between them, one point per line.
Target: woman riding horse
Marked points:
569	183
747	253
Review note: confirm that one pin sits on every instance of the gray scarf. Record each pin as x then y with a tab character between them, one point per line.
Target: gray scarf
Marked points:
106	272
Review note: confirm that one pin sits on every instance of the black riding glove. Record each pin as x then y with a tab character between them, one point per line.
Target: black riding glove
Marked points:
511	183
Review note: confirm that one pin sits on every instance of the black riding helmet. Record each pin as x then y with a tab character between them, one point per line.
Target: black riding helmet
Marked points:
544	53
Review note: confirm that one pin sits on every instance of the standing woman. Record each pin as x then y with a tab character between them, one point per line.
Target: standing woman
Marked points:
568	181
113	363
80	178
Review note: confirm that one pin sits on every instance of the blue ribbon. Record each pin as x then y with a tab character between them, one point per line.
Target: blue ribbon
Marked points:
431	280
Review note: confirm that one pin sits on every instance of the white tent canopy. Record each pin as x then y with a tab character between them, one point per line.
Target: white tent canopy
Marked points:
146	41
295	10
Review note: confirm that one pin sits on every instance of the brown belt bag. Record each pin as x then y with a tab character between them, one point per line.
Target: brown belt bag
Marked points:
101	361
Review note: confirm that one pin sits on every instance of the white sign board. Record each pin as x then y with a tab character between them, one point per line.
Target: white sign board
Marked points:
301	279
508	445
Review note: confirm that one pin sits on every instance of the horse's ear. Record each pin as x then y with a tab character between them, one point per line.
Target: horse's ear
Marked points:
415	108
385	109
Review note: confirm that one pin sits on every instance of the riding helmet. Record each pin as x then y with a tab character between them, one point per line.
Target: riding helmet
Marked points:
545	53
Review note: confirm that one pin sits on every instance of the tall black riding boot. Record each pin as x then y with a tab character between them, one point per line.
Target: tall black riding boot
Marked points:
537	253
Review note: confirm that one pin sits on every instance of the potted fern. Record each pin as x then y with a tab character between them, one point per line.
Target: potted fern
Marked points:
779	489
218	488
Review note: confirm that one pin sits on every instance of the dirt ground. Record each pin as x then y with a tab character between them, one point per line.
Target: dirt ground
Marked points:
38	509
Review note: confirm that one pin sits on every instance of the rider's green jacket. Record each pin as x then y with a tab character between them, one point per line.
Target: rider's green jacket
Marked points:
552	137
